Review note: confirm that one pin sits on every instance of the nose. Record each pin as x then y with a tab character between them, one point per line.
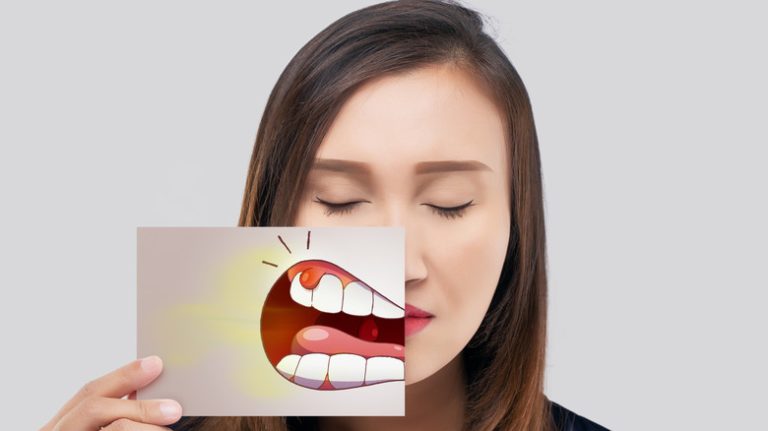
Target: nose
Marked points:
415	266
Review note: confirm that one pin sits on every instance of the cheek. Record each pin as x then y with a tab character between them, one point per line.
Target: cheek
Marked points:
301	215
468	262
309	214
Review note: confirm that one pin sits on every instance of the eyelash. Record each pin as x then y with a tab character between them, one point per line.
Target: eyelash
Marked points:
346	207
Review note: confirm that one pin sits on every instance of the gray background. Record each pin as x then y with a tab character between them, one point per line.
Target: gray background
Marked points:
651	117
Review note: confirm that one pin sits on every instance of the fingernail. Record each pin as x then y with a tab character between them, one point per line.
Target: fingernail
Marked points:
151	363
170	409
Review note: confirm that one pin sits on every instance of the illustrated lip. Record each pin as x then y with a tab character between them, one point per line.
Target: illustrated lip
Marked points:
323	328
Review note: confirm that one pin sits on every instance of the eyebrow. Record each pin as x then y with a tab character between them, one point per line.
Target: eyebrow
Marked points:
431	167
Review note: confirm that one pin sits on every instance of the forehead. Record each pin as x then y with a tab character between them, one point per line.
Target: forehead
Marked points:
433	113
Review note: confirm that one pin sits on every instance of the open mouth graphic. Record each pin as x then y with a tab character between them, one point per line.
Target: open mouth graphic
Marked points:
323	328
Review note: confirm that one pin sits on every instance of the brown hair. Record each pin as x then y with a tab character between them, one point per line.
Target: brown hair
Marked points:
504	361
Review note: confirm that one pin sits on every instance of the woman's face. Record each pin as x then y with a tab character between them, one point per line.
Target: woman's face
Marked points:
404	146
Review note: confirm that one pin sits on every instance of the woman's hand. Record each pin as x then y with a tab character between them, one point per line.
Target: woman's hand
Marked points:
99	404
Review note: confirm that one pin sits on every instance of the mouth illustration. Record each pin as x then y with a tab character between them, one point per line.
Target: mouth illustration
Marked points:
323	328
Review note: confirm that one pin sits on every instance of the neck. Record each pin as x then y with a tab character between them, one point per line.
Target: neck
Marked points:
435	403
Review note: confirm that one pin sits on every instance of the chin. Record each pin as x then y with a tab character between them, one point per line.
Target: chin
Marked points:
414	374
420	366
427	357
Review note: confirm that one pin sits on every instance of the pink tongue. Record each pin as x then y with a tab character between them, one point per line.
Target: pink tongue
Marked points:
324	339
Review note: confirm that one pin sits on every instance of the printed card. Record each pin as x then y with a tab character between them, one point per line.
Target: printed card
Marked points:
274	321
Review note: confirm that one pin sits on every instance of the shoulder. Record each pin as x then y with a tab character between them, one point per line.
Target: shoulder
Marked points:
566	420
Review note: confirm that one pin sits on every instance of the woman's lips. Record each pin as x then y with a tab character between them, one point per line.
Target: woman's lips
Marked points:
415	319
415	324
414	311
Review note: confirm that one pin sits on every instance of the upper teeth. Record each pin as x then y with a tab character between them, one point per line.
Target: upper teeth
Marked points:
357	299
327	296
330	296
344	370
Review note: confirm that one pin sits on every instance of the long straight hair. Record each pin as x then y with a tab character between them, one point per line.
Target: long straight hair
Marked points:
504	361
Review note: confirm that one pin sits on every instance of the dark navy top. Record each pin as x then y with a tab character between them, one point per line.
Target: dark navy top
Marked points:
565	420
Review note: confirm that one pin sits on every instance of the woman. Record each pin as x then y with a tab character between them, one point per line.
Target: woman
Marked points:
404	113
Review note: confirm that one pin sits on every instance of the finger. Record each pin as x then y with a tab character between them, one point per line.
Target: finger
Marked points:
124	424
123	380
134	375
95	412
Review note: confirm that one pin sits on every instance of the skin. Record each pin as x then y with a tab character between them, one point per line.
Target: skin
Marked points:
100	402
389	128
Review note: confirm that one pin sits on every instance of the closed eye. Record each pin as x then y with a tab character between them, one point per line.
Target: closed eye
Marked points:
451	212
347	207
337	208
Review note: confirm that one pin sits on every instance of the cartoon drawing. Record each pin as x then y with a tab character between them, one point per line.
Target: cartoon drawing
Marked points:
323	328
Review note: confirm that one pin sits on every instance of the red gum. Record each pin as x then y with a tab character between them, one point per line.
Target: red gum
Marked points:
315	269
